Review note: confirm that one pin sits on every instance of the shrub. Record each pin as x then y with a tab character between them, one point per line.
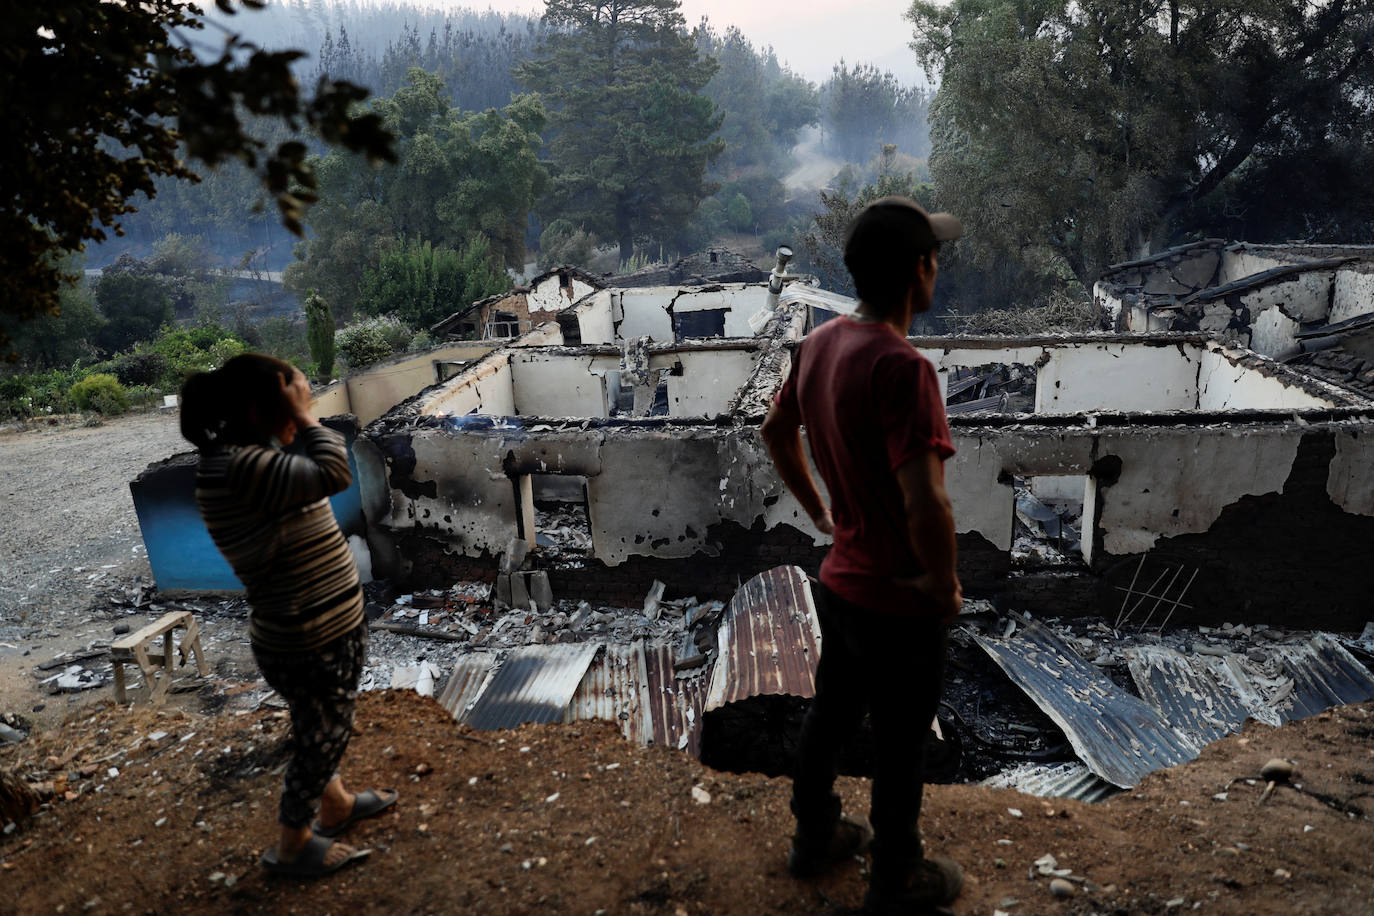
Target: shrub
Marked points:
101	393
371	340
141	367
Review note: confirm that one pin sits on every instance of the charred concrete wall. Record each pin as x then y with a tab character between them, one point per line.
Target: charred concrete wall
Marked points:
1244	503
1257	296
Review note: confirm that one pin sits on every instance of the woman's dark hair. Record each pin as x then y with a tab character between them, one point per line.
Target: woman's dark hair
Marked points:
240	403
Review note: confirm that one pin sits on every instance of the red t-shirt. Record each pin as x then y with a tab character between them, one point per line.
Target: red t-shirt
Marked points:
870	403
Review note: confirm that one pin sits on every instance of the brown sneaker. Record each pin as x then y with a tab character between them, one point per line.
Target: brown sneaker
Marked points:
935	883
850	837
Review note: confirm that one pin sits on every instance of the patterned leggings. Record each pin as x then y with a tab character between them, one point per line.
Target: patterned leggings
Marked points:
321	689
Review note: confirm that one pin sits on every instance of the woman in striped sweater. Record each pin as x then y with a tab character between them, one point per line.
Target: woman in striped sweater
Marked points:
269	514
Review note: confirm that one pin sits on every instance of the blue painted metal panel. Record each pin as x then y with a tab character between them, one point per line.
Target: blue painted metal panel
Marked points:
179	547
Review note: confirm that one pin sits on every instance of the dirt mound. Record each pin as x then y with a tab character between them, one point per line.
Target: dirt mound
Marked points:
156	811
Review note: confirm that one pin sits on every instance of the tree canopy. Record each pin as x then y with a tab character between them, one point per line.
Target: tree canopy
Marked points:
101	98
1095	130
632	133
461	176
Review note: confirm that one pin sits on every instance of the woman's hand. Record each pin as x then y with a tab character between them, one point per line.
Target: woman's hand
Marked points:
296	392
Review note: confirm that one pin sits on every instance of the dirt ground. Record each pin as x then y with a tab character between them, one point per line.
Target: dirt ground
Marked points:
572	819
154	810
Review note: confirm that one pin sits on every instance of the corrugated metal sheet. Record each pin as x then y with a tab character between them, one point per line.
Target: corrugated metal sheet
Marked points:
769	640
674	704
613	689
1207	697
1117	735
533	684
1200	696
1058	780
466	682
1324	675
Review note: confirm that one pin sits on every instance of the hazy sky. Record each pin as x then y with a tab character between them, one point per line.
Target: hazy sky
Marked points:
810	35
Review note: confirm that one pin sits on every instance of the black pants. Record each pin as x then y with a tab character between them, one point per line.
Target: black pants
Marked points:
893	667
321	689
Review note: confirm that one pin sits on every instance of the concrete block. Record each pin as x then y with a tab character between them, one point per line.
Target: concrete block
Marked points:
514	556
540	591
519	593
503	592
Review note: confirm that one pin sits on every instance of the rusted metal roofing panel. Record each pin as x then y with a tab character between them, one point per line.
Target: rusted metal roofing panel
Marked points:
1201	695
533	684
1057	780
613	689
769	640
465	683
674	704
1117	735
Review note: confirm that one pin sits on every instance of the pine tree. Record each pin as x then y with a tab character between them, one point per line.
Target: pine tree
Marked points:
632	131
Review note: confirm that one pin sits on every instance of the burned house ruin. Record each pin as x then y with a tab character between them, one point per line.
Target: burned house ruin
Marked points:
1191	463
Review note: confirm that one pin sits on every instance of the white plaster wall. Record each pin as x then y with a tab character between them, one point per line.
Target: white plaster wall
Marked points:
594	321
1350	478
546	385
1058	487
1178	480
1226	385
740	300
1303	297
1117	377
1238	264
710	378
1353	294
487	388
1272	333
548	296
646	313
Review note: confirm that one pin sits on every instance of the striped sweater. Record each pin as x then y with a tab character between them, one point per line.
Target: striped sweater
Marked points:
269	515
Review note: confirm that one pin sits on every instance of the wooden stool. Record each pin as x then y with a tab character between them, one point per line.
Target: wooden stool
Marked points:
134	648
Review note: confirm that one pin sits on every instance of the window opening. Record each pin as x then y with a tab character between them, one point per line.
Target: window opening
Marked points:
699	323
994	388
1047	521
562	520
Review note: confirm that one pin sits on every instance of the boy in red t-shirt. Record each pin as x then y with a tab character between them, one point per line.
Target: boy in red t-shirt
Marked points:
876	425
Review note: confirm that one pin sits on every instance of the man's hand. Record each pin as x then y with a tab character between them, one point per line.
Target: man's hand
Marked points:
948	597
825	522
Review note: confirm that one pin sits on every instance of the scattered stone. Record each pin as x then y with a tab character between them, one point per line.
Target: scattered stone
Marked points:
701	796
1277	770
121	628
1014	812
1061	888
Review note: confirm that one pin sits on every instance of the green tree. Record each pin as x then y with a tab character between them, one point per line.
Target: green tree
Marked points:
763	106
320	330
739	214
98	99
1090	131
62	336
421	284
134	305
461	176
632	131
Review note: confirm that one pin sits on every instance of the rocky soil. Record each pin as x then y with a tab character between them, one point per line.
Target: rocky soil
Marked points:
169	811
